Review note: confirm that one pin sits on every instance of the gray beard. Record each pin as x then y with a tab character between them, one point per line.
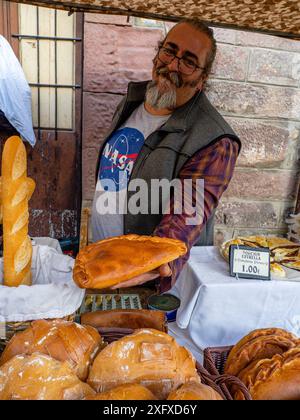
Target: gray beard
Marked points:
161	100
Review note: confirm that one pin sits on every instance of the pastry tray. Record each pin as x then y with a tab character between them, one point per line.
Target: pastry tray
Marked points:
106	302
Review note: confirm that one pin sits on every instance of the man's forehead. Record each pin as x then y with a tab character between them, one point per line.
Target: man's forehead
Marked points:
188	38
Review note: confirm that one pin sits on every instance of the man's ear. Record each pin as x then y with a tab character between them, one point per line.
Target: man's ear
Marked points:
202	82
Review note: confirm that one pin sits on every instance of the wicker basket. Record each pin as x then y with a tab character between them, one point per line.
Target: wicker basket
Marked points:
208	374
214	362
216	381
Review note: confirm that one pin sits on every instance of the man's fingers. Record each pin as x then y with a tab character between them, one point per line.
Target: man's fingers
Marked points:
162	271
165	270
136	280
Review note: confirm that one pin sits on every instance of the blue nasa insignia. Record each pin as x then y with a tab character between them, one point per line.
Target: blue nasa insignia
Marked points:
119	155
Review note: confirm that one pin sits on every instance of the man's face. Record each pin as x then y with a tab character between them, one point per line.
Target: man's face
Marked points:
170	86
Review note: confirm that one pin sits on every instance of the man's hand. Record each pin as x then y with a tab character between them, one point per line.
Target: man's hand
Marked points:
162	271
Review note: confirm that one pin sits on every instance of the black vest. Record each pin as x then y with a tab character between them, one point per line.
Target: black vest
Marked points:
192	127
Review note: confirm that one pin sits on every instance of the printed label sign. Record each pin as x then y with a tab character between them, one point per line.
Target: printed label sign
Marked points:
250	263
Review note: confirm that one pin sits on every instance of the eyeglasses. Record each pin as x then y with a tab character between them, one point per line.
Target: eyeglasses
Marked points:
185	65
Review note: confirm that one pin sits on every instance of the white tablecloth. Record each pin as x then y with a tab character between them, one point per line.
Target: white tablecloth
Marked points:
218	310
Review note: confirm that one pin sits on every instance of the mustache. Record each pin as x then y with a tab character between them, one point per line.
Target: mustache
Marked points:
172	76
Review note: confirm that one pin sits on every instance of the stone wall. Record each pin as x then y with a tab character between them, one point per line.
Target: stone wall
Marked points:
255	85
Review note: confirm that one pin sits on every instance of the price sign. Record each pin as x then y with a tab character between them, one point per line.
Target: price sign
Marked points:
250	263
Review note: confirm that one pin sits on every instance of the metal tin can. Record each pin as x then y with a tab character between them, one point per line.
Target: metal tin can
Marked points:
167	303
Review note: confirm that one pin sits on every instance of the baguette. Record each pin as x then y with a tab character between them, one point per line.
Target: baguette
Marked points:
17	189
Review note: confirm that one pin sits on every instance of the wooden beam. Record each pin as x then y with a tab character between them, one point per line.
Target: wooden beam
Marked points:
297	207
9	23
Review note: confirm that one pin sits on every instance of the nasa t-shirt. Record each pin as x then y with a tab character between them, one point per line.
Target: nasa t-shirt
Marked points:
116	164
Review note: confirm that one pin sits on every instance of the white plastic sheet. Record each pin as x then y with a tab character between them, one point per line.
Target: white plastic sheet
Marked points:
15	94
52	295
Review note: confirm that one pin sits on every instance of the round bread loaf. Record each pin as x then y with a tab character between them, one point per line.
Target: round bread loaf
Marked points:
273	379
194	391
62	340
40	377
148	357
132	392
259	344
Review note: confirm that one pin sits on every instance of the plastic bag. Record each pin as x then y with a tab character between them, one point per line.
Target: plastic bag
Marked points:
52	295
15	94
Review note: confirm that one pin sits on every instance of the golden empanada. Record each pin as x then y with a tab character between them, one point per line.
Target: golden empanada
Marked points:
115	260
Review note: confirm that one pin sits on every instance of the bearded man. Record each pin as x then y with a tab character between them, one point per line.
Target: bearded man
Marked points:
166	129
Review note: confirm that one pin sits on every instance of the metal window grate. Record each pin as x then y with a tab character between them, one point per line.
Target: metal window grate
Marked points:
38	38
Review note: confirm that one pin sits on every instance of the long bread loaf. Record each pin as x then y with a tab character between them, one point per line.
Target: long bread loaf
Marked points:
17	189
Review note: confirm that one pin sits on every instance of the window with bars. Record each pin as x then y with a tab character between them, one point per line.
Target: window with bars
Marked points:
47	41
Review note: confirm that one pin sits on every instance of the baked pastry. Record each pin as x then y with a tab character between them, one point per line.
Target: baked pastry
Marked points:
125	392
293	263
277	270
16	192
62	340
282	251
273	379
259	344
126	318
194	391
225	247
147	357
114	260
40	377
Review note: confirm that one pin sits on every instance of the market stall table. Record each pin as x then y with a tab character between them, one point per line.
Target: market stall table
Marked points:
218	310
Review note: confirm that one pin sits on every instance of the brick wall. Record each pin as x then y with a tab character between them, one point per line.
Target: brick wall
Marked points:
255	85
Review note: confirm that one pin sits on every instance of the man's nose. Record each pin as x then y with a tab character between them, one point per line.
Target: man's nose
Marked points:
174	65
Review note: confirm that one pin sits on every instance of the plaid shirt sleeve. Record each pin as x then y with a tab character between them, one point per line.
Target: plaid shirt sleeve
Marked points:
215	165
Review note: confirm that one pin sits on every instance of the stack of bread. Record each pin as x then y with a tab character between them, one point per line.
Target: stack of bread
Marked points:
51	360
283	253
16	191
63	340
267	361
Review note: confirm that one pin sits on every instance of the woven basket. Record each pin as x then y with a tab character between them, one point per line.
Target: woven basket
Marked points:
214	362
215	381
208	374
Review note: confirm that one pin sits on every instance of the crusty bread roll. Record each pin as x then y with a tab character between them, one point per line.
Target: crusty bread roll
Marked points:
132	392
62	340
126	318
40	377
114	260
273	379
194	391
259	344
16	192
147	357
